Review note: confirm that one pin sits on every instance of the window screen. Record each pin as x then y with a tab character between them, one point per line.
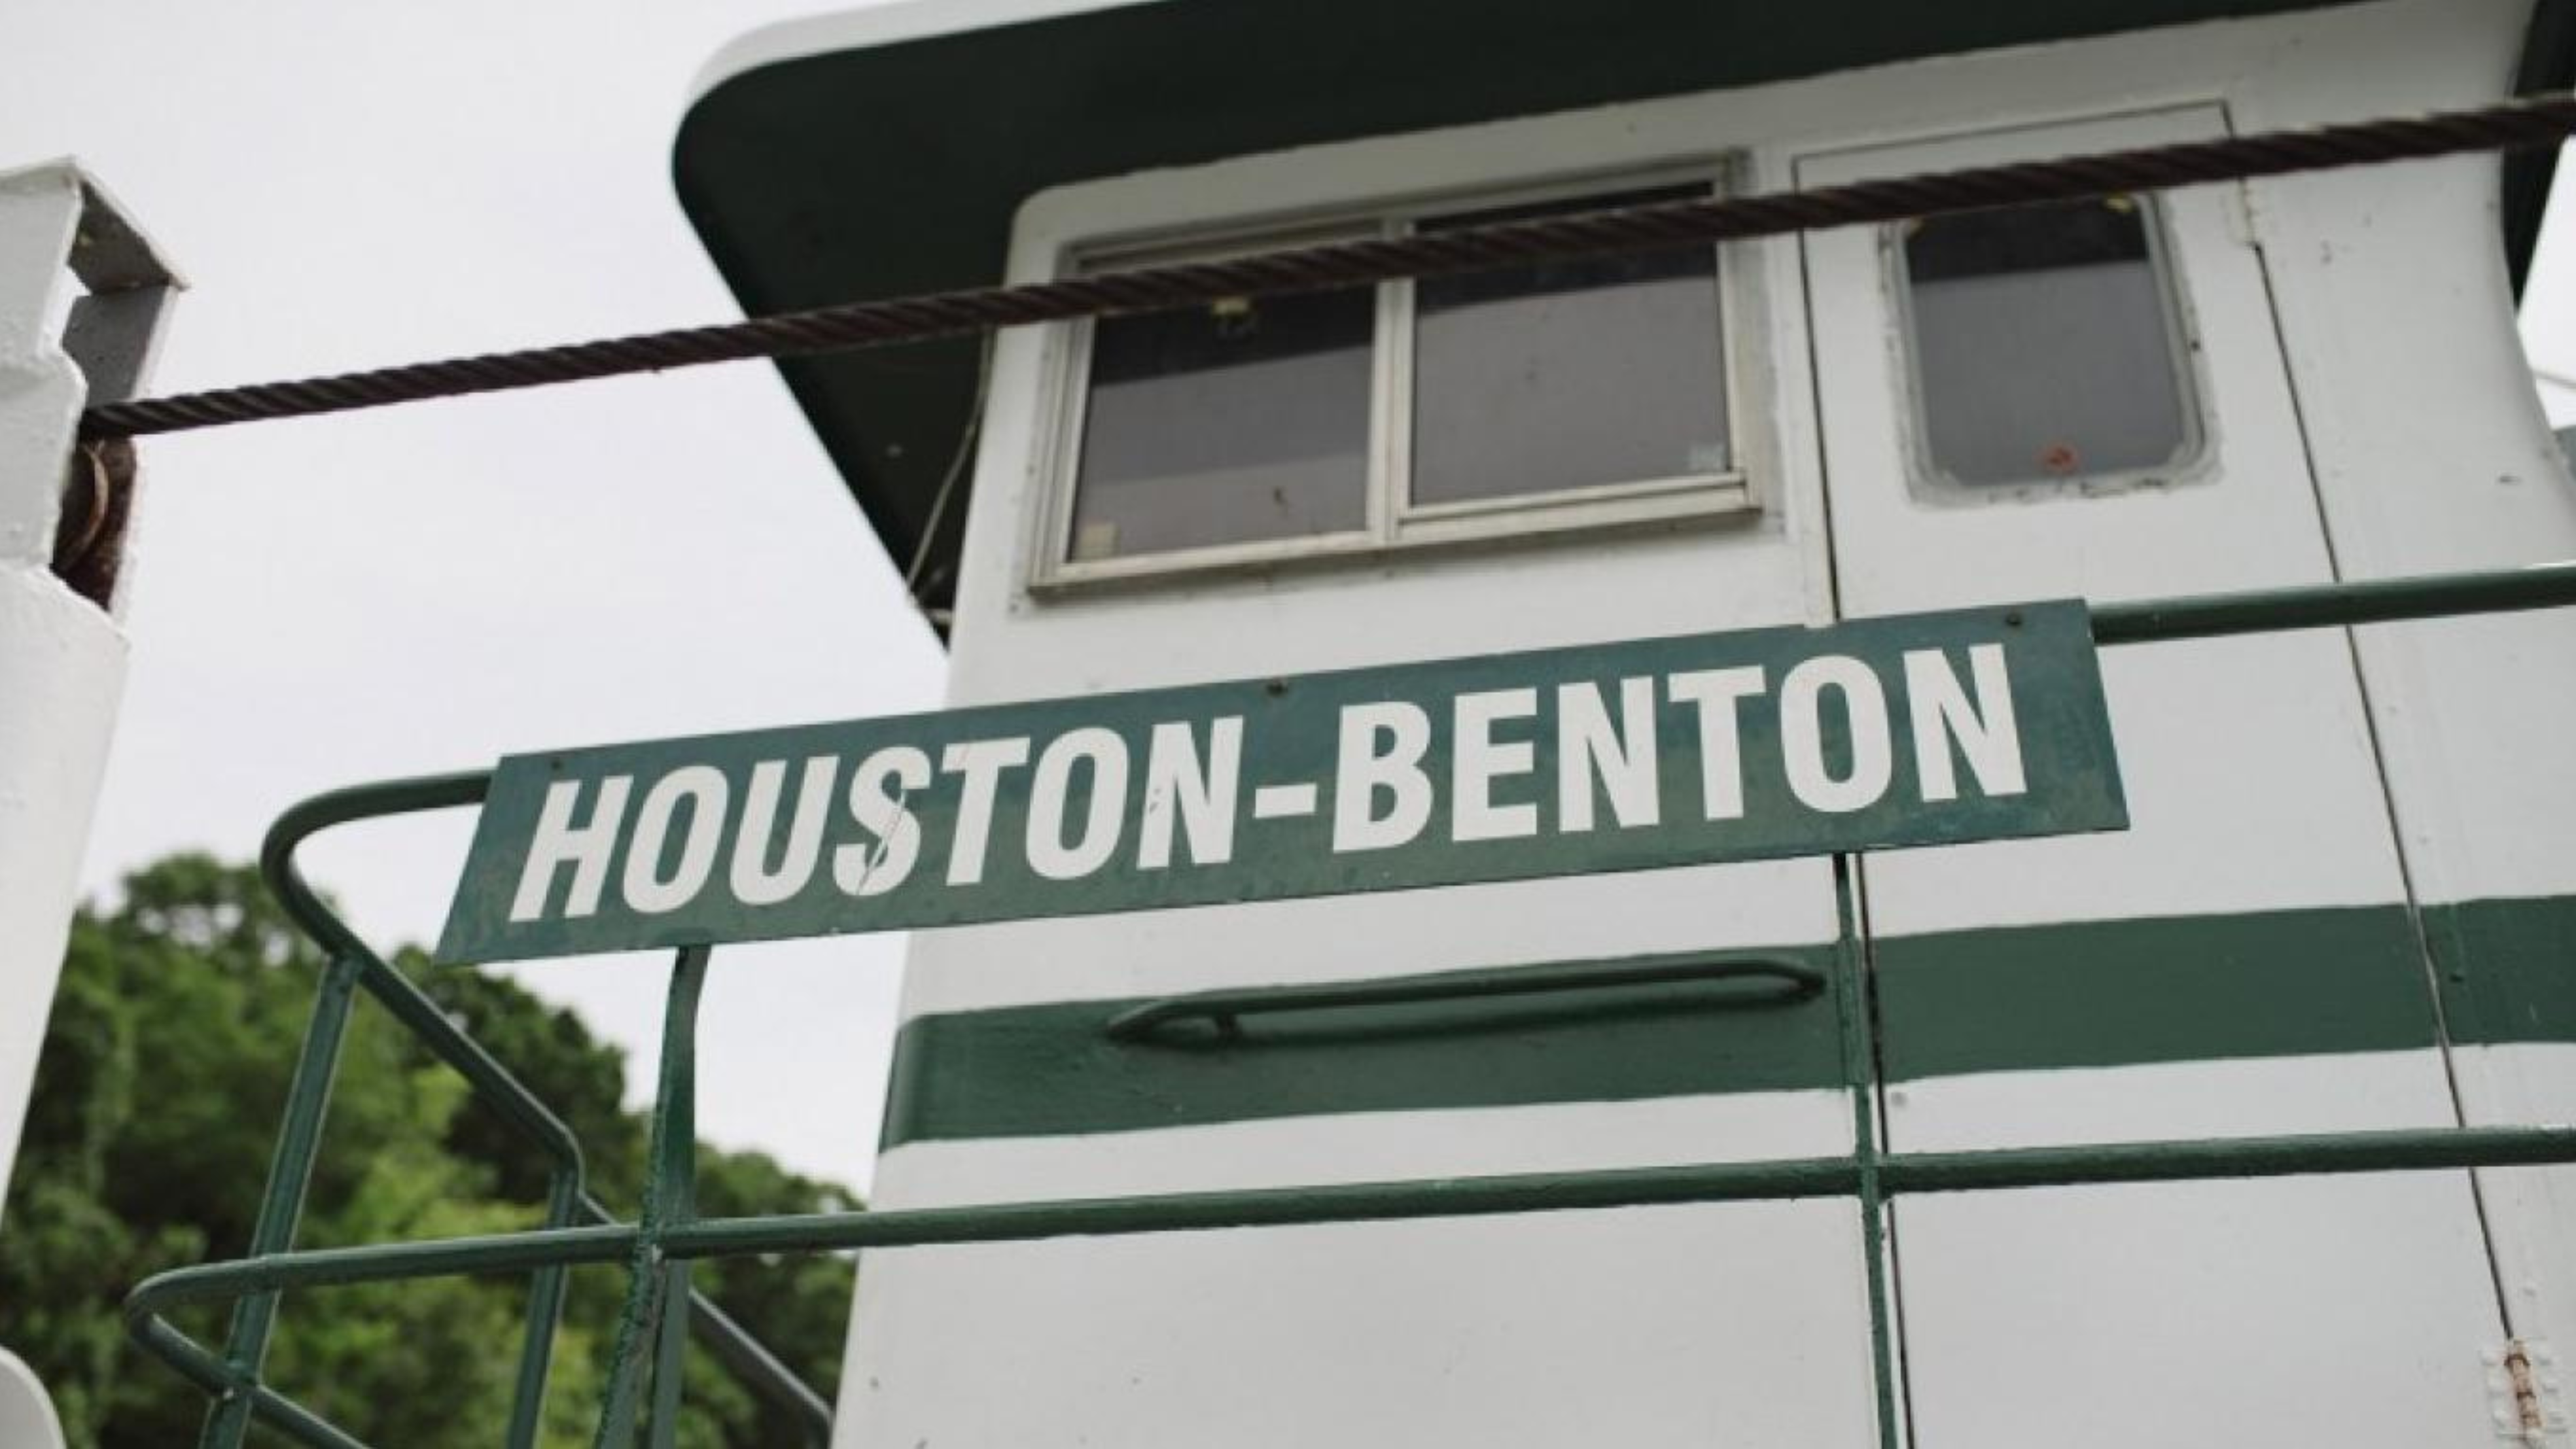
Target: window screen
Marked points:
2045	344
1234	423
1567	374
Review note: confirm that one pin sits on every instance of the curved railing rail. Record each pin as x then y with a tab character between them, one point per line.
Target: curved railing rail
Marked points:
659	1248
233	1376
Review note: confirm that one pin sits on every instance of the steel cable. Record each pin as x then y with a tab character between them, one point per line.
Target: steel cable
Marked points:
2513	125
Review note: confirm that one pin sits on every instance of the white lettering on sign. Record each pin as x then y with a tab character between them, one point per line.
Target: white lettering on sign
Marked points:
1802	733
1985	731
1929	730
1175	794
1623	761
755	881
559	842
1103	756
981	762
1365	771
1477	760
1279	802
702	789
1198	796
1717	694
871	868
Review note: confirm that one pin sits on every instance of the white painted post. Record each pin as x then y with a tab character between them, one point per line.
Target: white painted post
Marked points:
27	1419
62	652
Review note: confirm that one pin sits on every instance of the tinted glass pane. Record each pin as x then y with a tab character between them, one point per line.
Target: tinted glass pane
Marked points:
1226	424
2043	344
1567	374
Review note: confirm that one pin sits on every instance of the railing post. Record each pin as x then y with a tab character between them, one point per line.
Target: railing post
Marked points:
654	1328
545	1314
1860	1077
281	1206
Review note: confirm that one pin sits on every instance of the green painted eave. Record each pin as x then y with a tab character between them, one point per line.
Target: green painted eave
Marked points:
895	167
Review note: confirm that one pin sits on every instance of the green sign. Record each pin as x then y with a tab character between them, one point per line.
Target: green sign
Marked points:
1933	729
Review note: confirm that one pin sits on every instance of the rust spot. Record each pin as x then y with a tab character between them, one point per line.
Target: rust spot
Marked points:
2526	1392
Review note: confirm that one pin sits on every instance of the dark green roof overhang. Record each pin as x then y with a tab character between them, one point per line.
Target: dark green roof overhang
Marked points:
894	168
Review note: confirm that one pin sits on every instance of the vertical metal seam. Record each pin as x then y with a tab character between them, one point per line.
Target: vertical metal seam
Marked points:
2387	789
1860	1078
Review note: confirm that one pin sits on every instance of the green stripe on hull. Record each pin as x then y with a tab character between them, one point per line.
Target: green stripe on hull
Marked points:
1049	1070
2174	989
2087	994
2507	969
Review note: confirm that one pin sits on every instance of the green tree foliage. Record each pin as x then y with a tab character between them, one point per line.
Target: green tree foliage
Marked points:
164	1072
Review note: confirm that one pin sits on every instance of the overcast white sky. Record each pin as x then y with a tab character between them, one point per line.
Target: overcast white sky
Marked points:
420	590
423	589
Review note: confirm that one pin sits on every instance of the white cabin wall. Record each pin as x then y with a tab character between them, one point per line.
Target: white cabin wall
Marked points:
1637	1323
2432	454
2258	812
1538	1323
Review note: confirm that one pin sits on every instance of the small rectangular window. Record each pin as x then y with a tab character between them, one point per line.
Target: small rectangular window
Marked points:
2046	344
1532	399
1567	375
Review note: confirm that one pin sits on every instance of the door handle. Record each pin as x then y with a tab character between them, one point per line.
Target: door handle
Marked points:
1224	1009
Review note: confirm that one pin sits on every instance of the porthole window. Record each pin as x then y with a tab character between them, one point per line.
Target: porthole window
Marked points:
1531	399
2046	345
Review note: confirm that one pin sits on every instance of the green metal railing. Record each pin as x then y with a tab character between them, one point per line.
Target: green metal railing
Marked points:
233	1378
660	1311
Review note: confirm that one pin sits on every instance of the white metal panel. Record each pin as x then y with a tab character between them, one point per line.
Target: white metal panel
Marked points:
2432	454
2270	1313
1370	1147
2197	724
2431	451
2146	1102
1211	1338
2254	787
1652	1327
1773	903
1714	1325
1012	644
2251	787
2531	1211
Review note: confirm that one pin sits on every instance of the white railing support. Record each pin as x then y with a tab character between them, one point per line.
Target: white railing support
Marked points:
82	299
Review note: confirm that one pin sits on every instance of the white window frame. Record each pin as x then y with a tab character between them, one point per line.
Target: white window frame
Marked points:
1927	480
1393	524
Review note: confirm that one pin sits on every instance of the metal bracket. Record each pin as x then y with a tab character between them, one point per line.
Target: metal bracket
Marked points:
60	505
115	329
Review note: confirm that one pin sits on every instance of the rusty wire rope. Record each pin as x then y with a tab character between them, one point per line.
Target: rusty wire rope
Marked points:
2512	125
